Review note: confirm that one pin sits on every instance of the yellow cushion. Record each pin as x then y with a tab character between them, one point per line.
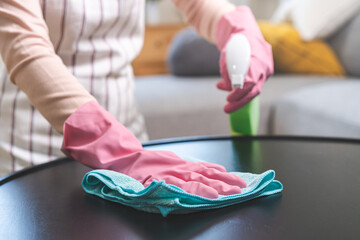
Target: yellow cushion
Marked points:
293	55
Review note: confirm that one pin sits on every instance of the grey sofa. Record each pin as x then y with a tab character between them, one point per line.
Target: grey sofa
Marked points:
190	105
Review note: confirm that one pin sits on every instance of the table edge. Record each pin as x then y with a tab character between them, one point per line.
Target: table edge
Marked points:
25	171
246	138
18	174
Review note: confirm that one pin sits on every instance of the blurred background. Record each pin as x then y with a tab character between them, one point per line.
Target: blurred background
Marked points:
314	91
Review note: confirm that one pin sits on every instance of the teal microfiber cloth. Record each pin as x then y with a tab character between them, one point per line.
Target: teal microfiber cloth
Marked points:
163	198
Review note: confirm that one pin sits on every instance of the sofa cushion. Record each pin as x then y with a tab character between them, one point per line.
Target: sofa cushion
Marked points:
346	44
330	109
191	55
293	55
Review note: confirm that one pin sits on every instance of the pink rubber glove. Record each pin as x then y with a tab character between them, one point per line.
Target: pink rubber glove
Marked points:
241	20
95	138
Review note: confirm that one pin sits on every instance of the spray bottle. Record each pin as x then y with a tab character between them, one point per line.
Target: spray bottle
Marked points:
244	121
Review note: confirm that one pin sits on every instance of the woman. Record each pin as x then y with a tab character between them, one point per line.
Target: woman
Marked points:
69	60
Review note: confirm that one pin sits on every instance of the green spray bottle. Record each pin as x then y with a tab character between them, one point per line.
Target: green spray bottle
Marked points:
244	121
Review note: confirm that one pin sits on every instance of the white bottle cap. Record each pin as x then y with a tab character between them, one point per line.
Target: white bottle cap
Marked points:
238	54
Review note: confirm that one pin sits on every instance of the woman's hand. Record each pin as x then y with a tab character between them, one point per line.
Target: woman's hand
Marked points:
95	138
241	20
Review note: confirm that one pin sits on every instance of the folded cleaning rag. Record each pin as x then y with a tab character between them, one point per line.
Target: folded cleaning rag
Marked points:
163	198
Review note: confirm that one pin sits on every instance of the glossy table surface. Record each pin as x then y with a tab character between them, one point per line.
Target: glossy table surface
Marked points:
320	200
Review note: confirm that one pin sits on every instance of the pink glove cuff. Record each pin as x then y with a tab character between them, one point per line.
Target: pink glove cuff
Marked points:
94	137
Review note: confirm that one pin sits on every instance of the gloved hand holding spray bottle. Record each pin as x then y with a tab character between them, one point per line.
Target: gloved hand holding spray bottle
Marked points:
246	62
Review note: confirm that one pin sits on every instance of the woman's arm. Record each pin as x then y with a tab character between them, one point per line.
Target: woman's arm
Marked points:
204	15
33	65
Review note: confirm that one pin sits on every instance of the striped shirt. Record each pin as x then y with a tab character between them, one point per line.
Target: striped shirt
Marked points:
62	53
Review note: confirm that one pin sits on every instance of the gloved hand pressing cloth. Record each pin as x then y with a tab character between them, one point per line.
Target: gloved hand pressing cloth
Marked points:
153	181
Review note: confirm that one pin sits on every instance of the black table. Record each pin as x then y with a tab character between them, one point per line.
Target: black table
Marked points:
320	200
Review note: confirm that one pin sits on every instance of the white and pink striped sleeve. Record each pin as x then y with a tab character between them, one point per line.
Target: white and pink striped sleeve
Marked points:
204	15
33	65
